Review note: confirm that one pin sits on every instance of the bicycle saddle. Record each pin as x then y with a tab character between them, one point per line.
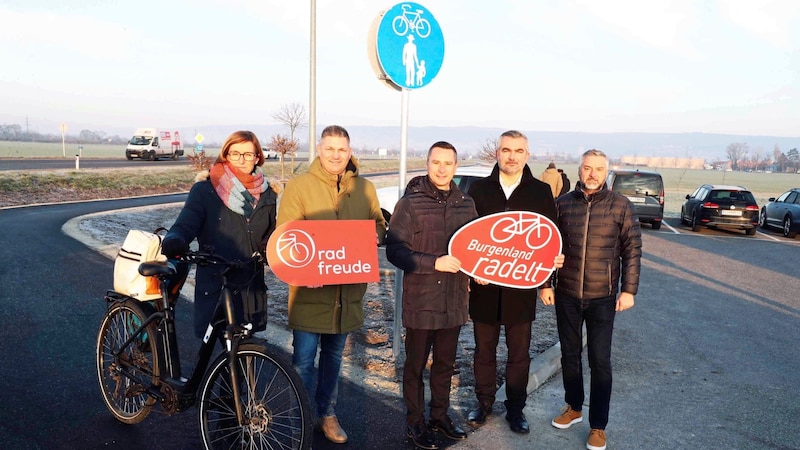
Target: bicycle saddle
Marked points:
156	268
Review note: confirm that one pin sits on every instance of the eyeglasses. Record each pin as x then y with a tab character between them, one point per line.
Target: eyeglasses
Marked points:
234	156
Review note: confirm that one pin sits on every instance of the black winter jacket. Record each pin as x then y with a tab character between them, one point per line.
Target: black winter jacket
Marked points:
423	222
602	243
204	216
492	303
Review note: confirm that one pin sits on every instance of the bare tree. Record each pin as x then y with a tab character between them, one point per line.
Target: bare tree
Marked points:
284	146
736	152
293	115
486	151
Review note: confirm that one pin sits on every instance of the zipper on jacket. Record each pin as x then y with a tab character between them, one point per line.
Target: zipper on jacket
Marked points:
585	243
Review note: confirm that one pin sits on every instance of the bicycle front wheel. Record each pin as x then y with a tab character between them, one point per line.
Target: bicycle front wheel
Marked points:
274	402
123	377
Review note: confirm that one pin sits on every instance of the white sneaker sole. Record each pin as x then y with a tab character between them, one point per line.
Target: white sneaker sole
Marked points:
565	426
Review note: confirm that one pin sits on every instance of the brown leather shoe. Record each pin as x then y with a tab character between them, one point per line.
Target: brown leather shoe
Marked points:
332	430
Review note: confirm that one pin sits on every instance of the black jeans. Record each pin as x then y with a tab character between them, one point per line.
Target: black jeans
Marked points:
418	347
518	342
599	317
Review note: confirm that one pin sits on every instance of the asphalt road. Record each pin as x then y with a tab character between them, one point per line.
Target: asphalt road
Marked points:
90	163
51	310
707	359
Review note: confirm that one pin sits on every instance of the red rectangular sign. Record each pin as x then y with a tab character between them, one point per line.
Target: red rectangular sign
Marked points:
324	252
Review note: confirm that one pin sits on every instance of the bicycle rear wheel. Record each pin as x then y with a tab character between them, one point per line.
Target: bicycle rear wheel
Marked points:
123	378
274	401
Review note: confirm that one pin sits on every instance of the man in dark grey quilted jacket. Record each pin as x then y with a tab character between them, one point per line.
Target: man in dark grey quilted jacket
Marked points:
602	244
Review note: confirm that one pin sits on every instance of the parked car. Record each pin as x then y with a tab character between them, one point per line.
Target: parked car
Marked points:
270	154
463	178
782	212
721	206
645	190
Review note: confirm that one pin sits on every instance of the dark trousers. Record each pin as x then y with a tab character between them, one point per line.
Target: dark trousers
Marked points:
599	317
518	341
418	347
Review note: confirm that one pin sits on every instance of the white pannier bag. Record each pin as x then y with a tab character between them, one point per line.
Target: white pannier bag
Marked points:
139	246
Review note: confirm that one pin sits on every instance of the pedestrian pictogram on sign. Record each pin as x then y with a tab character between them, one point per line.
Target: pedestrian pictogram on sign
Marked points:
409	45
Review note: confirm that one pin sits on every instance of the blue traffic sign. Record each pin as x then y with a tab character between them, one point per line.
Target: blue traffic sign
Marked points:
410	45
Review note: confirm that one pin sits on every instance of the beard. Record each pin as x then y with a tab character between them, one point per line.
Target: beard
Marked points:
592	184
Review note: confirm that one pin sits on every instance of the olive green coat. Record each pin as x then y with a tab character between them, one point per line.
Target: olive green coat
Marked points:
318	195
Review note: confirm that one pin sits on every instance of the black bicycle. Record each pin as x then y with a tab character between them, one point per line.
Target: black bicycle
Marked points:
249	397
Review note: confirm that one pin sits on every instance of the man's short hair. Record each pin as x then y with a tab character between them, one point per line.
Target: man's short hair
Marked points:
336	131
443	144
594	152
514	134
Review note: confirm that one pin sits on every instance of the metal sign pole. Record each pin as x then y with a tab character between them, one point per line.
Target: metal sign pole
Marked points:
401	185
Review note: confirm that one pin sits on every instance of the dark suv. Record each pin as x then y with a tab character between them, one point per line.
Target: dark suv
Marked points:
645	190
721	206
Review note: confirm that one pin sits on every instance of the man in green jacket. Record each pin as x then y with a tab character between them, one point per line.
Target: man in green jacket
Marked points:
321	316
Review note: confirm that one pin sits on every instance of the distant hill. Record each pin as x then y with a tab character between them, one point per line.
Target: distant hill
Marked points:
545	144
558	145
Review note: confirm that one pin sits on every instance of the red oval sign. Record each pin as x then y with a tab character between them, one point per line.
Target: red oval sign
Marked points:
513	248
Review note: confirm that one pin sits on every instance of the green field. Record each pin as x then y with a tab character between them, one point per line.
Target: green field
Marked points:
677	182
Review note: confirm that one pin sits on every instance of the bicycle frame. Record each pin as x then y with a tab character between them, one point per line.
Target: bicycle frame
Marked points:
222	326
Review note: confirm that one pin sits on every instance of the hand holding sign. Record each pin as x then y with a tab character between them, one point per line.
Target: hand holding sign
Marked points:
514	249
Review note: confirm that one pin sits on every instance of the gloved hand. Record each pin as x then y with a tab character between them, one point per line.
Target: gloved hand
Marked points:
172	247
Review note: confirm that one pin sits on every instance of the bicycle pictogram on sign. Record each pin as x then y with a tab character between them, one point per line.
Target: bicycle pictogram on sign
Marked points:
411	22
295	248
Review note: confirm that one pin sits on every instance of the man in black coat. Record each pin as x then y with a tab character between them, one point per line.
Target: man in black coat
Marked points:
510	187
434	290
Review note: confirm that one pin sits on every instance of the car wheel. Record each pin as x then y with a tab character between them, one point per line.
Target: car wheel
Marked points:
656	225
787	227
151	156
750	231
695	223
762	218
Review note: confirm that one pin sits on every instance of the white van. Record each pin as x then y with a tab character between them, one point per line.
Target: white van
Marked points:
152	144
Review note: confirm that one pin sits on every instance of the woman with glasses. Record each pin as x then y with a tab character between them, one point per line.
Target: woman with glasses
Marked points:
230	211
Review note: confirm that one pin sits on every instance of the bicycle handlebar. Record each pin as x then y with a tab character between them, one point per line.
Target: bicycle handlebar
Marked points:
205	258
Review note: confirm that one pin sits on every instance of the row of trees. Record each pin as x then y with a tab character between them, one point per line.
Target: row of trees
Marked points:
741	157
14	132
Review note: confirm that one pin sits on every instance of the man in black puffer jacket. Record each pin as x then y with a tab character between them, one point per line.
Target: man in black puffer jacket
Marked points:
602	243
435	292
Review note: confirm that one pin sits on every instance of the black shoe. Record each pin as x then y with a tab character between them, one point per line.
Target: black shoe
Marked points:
447	427
422	436
518	424
478	415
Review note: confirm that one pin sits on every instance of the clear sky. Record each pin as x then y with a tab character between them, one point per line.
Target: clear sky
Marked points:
717	66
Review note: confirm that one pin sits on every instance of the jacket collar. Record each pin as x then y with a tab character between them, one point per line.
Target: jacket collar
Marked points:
334	180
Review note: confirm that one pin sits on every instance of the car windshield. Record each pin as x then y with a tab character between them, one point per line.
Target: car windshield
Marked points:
141	140
638	184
